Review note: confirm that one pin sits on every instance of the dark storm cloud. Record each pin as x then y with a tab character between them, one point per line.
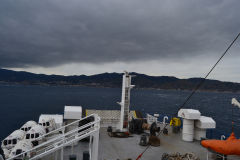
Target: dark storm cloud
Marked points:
54	32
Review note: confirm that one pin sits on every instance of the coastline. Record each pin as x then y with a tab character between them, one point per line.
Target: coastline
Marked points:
100	86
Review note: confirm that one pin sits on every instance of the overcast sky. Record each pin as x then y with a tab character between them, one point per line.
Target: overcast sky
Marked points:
181	38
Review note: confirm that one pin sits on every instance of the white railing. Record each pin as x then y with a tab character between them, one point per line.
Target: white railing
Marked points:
65	139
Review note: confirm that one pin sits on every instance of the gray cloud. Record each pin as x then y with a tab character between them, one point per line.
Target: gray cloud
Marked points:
54	32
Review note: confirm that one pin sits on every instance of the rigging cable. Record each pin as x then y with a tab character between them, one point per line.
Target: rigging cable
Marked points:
140	155
197	87
204	79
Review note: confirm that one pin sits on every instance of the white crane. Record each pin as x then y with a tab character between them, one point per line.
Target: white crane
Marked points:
125	102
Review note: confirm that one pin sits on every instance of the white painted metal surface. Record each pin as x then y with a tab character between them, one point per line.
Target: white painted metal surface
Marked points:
188	130
65	139
199	133
73	112
125	102
205	122
201	126
189	114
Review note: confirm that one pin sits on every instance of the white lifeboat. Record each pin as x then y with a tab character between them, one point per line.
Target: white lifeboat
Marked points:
28	125
6	153
48	122
34	133
21	147
13	139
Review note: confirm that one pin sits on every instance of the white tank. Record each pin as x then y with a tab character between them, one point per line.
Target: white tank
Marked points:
10	141
28	125
21	147
34	133
188	130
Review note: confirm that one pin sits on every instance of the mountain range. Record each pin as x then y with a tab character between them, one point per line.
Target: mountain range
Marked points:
115	80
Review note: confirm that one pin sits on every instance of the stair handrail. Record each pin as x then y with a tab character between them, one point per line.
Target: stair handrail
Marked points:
96	120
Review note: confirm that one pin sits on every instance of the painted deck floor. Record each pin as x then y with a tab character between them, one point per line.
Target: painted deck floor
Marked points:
128	148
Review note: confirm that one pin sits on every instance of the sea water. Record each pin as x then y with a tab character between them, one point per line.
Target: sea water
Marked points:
21	103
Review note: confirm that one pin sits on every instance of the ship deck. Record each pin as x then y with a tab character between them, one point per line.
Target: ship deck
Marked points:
129	148
111	148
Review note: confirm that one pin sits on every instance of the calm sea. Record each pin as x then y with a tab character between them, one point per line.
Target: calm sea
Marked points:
20	103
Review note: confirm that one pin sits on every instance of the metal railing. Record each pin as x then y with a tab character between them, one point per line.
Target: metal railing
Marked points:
64	139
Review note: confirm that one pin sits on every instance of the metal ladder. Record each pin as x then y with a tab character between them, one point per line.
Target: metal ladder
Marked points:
126	107
65	139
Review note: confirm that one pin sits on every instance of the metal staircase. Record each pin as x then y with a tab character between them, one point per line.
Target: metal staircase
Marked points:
126	107
62	139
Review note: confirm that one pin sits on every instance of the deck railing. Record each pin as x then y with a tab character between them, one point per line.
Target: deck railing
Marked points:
65	138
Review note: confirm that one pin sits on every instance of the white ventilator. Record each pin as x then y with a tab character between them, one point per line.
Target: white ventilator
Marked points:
189	116
201	126
125	102
235	102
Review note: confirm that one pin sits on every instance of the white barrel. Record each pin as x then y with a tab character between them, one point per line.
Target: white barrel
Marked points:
188	130
199	133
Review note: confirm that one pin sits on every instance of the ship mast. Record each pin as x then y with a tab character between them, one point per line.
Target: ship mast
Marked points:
125	102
